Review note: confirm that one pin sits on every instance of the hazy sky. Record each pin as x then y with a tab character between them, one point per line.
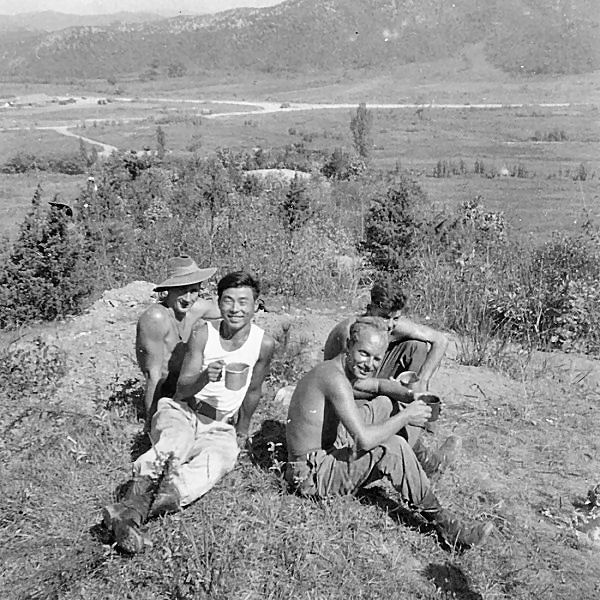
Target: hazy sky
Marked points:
89	7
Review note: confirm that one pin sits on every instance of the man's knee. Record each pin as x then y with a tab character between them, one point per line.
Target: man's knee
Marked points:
415	352
380	409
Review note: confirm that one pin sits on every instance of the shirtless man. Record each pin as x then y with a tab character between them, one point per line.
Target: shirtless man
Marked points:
324	398
196	433
412	347
164	329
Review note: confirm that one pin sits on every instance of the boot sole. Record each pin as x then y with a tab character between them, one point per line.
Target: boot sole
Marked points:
129	538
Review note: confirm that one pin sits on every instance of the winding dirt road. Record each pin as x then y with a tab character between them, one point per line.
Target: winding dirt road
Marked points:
260	107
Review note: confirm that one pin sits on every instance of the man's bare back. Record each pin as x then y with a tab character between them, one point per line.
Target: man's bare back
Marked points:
161	343
174	334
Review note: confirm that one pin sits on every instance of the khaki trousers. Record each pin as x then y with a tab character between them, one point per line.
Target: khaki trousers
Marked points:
203	450
343	470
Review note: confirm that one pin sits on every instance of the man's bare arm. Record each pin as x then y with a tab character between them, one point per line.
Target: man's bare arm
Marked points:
151	330
253	393
406	329
339	392
192	378
207	309
371	387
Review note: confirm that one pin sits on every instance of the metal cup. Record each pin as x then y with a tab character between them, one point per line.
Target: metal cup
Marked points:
407	378
434	403
236	375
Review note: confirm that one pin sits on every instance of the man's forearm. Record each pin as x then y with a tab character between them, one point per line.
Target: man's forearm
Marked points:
432	361
376	434
187	387
153	384
383	387
246	411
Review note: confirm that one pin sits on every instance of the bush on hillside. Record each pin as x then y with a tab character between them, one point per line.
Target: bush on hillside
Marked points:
471	278
134	221
342	166
44	275
390	227
69	164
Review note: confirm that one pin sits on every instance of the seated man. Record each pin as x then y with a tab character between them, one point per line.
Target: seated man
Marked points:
324	398
164	328
412	347
194	433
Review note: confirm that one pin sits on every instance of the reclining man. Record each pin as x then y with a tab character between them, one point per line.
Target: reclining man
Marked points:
324	398
412	347
164	328
194	433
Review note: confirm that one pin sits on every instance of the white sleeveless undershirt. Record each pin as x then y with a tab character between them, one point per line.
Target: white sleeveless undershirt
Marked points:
215	393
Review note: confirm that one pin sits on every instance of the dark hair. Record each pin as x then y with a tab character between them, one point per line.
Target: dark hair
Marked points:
362	323
238	279
386	297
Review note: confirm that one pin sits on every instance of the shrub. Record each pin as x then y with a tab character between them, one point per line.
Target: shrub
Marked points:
492	290
44	275
390	227
342	166
361	124
69	164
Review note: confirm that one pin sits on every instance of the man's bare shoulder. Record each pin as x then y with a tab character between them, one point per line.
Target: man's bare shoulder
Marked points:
269	344
326	374
155	316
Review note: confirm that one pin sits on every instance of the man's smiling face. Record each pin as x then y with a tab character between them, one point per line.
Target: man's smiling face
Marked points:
237	306
365	354
182	298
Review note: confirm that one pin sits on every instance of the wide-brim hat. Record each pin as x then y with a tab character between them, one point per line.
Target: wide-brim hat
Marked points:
183	270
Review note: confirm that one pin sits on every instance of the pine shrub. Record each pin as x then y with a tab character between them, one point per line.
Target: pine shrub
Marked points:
43	276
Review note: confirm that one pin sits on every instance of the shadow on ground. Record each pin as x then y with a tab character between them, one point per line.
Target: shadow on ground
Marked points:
452	581
267	447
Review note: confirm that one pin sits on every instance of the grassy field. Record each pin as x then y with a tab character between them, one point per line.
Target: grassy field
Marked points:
43	143
546	198
16	192
527	451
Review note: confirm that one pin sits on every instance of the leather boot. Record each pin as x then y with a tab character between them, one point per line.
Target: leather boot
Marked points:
125	518
435	462
451	529
167	499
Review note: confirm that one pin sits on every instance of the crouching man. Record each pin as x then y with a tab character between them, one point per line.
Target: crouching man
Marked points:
195	434
324	398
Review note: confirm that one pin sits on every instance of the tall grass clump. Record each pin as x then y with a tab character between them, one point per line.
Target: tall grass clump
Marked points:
465	273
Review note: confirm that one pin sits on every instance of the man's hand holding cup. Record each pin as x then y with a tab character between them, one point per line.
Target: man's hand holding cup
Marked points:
214	371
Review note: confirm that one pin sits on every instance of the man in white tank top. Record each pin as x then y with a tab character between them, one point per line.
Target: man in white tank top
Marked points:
195	434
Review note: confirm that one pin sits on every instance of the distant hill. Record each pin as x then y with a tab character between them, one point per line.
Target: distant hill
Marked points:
54	21
519	36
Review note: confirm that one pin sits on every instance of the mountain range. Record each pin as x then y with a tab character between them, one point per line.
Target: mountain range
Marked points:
519	36
48	20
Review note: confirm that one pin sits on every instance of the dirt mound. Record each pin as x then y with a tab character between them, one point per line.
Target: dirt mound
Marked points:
100	346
